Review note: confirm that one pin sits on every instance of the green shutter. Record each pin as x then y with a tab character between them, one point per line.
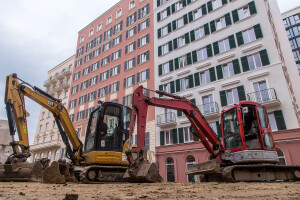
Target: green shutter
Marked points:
184	3
173	8
219	72
252	8
181	138
264	57
212	74
178	85
245	63
241	92
235	15
192	35
195	137
160	88
258	32
193	101
162	138
209	50
159	51
189	1
191	17
159	33
197	79
174	25
236	66
239	37
158	16
231	41
189	58
227	19
216	48
223	98
185	19
209	6
219	129
179	113
206	29
168	11
204	11
170	46
169	27
171	65
159	70
175	43
158	3
224	2
212	26
172	85
191	81
194	54
279	120
176	63
187	38
174	132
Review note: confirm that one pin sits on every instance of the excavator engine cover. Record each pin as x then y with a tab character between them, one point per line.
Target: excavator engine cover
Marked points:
142	172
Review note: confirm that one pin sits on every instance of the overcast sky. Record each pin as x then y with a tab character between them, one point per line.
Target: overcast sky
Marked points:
37	35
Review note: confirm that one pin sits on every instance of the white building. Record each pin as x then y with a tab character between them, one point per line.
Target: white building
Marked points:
47	142
5	139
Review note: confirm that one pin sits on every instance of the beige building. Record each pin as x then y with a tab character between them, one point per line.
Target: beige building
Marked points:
47	142
5	139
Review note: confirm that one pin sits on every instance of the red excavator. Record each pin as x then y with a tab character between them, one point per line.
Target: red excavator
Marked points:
246	151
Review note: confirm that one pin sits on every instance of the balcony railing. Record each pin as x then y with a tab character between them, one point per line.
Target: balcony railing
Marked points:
47	83
209	108
263	95
166	119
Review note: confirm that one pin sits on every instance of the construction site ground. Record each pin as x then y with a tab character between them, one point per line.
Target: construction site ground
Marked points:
120	191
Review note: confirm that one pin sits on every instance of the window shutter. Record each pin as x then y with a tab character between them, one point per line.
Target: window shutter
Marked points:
159	51
172	84
170	46
212	74
121	25
264	57
245	63
219	72
175	43
110	72
169	27
219	129
125	65
119	66
204	11
236	66
179	113
223	98
195	137
135	15
195	58
168	11
158	3
235	15
174	25
176	63
139	27
159	70
148	55
197	79
258	32
139	43
100	77
184	3
189	58
138	59
126	49
174	132
162	133
241	92
124	83
252	8
138	77
191	17
148	74
206	29
134	30
178	85
191	81
224	2
160	88
216	48
181	138
127	24
123	100
133	62
189	1
159	33
192	35
279	120
139	13
171	65
227	19
173	8
231	41
133	79
209	50
185	19
118	87
109	88
212	26
134	45
239	37
148	38
187	38
209	6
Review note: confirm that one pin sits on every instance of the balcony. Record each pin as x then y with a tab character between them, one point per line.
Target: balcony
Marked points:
209	110
166	120
45	145
53	79
47	83
64	85
266	97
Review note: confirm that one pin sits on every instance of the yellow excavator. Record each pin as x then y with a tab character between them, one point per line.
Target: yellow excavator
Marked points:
101	159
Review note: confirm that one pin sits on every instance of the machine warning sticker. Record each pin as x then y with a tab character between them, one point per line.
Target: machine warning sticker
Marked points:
24	129
124	157
102	143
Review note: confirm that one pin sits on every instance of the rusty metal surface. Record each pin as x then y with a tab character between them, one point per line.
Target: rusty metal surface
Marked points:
209	167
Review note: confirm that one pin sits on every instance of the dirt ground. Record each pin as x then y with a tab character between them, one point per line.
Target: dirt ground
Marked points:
120	191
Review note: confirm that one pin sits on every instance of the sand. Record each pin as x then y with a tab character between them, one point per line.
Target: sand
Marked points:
120	191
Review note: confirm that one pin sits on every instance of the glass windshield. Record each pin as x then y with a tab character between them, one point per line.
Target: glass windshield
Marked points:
90	140
127	117
231	129
250	126
263	117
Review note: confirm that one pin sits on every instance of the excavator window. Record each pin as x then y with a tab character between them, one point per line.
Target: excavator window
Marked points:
250	125
91	133
231	130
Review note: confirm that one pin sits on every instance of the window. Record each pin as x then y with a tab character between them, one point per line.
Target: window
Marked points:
178	5
160	2
129	64
165	68
106	46
277	121
109	19
248	35
96	52
76	76
261	91
170	170
105	60
127	100
114	87
91	33
119	13
208	104
72	103
130	47
167	87
144	11
131	5
82	39
46	127
104	75
220	23
143	41
80	51
205	77
102	92
197	13
95	66
163	14
88	57
228	70
56	155
184	83
182	61
142	58
74	89
143	25
117	40
78	132
93	80
115	70
202	54
164	31
254	61
66	93
40	130
181	41
82	100
232	96
53	124
80	115
86	71
216	4
129	81
131	32
190	160
99	27
89	45
243	12
118	27
84	85
42	117
188	136
116	55
224	45
78	63
108	34
179	23
168	137
199	33
143	76
131	19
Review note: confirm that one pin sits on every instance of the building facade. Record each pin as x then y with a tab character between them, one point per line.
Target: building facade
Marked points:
291	20
114	55
5	139
217	53
47	142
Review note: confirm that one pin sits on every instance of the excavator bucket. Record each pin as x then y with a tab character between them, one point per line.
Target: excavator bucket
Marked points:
140	171
59	172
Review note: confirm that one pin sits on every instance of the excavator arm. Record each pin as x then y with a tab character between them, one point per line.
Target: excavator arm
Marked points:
17	117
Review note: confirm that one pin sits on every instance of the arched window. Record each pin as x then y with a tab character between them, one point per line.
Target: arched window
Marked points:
190	160
281	157
170	170
42	155
56	155
34	157
49	155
